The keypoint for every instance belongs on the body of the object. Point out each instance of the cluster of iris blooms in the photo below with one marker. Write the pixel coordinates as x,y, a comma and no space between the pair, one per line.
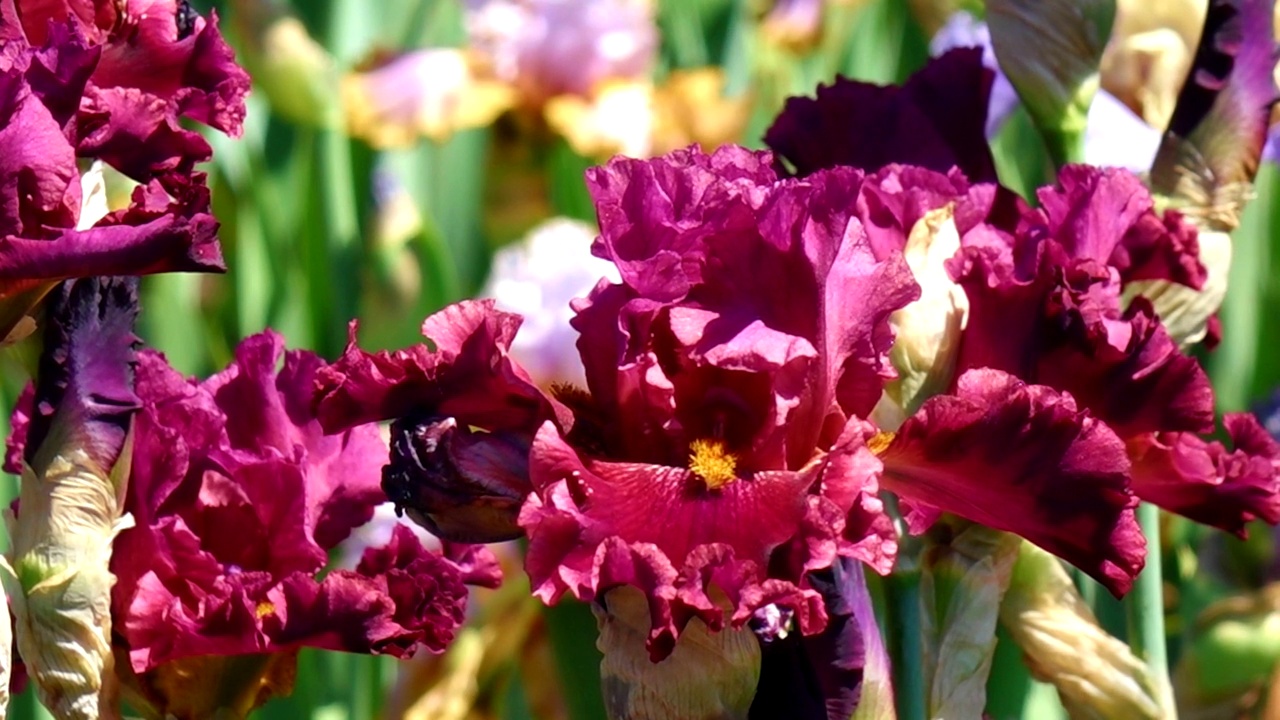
856,351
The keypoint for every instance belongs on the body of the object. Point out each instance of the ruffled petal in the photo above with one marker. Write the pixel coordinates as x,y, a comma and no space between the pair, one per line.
1205,481
238,494
273,418
400,597
590,528
1057,321
157,233
723,266
1022,458
1105,214
469,375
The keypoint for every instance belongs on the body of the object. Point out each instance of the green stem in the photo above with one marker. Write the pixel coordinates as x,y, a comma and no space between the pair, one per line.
902,591
1087,587
572,630
1145,609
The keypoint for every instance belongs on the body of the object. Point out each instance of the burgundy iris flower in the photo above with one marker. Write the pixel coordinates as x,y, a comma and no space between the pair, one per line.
107,81
720,452
1050,302
237,496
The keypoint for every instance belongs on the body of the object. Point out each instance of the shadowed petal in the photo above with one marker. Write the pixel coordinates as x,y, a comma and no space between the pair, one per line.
935,120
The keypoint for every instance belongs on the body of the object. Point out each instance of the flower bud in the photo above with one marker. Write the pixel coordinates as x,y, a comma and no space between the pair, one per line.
962,580
842,671
927,332
1096,675
461,485
1233,656
74,468
708,674
1210,152
1050,50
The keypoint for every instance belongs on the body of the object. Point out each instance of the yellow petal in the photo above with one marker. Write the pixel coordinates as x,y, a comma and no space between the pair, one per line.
431,93
691,107
617,118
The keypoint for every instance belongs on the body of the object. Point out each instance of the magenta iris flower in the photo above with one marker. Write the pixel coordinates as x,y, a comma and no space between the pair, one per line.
723,455
237,496
1047,304
722,439
112,82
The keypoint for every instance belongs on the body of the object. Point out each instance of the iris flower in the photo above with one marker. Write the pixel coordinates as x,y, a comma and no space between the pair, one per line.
237,497
1047,300
729,378
107,81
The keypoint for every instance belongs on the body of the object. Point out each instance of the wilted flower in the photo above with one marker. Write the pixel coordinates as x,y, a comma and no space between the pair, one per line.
829,675
109,81
238,497
72,444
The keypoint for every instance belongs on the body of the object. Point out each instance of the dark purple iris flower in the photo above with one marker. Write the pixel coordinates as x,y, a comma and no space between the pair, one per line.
936,120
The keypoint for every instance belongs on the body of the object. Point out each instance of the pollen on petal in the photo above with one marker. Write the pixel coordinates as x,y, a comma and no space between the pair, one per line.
264,609
712,463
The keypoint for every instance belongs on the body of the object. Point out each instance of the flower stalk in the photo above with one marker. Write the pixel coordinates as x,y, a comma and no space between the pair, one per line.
1145,610
902,591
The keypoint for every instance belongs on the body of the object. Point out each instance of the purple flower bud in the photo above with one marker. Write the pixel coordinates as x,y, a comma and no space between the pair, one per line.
461,485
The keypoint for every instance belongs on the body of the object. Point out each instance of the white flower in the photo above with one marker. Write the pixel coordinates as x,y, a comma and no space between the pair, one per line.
537,277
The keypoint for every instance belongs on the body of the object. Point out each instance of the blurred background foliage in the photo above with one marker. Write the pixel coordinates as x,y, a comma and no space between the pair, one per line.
319,228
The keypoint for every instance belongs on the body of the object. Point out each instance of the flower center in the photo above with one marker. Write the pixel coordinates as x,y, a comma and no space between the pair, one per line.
880,442
712,463
265,608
